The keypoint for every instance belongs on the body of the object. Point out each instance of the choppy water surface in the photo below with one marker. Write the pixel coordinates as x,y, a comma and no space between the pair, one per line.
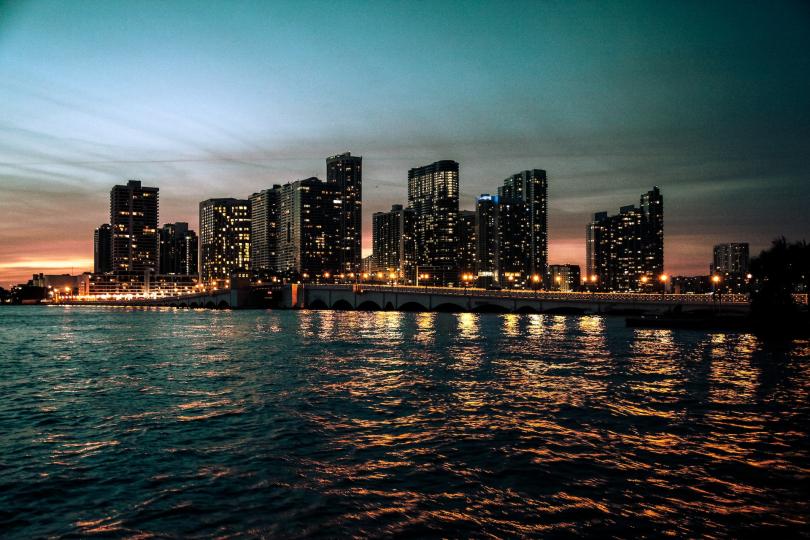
118,422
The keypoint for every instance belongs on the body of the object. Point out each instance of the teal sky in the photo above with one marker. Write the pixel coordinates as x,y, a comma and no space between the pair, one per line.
709,101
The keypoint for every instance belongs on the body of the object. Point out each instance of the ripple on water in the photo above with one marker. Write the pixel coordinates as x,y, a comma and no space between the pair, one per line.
139,422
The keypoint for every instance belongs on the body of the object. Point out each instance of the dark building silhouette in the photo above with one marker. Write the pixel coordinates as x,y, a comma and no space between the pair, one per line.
178,249
344,174
224,239
467,242
625,252
134,220
732,258
102,249
393,242
265,208
433,196
308,213
564,277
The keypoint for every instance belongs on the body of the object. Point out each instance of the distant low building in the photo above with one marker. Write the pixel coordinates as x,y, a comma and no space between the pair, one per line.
63,284
564,277
691,284
146,285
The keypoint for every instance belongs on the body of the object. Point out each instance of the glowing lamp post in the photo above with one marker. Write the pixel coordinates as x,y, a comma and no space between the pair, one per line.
644,280
663,278
715,292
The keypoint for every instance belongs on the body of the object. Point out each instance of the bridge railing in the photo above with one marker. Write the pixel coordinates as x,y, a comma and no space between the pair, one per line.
624,297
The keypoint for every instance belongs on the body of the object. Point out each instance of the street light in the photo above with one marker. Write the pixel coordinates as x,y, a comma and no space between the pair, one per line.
663,278
465,279
715,283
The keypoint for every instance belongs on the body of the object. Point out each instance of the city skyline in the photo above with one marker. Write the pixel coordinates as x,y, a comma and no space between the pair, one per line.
715,113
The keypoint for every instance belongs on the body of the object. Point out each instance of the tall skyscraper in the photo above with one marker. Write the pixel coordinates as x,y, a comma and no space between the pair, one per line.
625,252
224,239
344,174
264,229
523,227
467,242
308,213
134,219
393,242
102,249
178,249
732,258
433,195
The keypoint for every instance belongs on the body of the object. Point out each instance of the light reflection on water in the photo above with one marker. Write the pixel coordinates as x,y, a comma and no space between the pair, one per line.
140,422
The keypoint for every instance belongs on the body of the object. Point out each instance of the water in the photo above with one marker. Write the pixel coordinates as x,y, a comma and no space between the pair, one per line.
159,422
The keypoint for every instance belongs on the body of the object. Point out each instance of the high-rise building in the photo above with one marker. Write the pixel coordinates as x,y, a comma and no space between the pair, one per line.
564,277
308,211
393,242
344,174
732,258
523,225
102,249
433,195
134,219
626,252
652,209
224,239
486,225
467,242
178,249
264,229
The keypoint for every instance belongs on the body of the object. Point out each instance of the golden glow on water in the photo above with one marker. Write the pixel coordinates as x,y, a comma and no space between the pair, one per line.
510,324
468,325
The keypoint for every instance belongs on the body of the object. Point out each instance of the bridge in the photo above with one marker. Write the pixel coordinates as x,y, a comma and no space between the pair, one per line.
448,299
408,298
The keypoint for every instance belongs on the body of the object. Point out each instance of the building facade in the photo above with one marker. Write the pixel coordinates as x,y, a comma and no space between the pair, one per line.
178,249
134,221
467,242
625,252
344,175
393,248
433,196
224,239
523,225
102,249
308,211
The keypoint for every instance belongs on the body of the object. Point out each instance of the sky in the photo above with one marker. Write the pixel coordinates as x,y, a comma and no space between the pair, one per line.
710,101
